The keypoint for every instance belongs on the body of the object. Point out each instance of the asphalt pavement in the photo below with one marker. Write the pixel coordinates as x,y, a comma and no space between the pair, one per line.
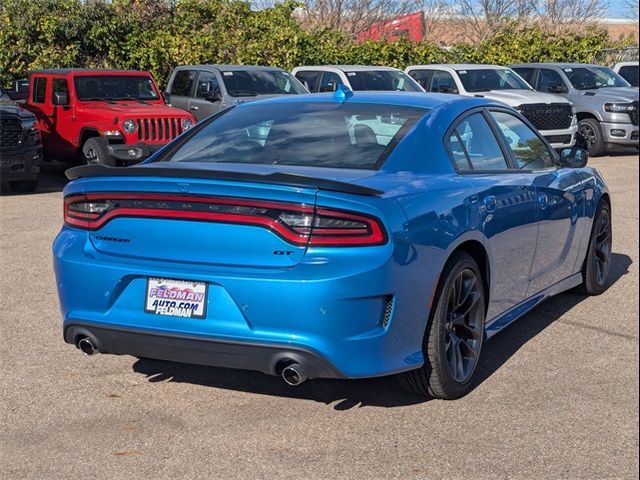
558,396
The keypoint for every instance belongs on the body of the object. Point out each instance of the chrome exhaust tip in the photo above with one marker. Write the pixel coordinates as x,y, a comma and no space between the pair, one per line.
87,346
294,374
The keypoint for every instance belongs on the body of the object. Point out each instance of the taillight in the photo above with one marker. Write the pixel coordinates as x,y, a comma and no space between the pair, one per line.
298,224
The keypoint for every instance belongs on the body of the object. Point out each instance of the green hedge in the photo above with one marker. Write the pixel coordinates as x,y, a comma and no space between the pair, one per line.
157,35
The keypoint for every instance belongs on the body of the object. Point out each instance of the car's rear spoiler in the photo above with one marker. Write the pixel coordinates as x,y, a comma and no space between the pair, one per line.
279,178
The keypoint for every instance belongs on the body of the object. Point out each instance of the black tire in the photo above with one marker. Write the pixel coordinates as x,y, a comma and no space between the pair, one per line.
597,264
436,378
591,138
24,186
94,152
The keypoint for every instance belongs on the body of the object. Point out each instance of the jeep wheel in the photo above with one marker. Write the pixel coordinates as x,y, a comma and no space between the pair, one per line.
591,133
95,152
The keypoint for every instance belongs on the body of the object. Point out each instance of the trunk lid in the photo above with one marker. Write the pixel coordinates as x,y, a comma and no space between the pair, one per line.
195,215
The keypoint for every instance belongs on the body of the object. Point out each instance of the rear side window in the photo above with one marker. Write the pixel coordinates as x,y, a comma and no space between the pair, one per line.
476,140
349,135
309,79
183,81
39,89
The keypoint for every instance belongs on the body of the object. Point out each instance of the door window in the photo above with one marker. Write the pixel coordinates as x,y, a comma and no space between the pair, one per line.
309,79
183,81
208,85
548,79
475,139
59,85
526,73
529,150
330,82
423,77
442,82
39,90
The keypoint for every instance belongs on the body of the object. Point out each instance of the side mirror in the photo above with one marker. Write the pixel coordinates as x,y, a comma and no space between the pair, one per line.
213,96
60,98
557,88
448,89
573,157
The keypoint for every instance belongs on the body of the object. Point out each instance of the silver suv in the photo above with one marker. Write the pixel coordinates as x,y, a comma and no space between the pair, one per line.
554,118
605,103
327,78
207,89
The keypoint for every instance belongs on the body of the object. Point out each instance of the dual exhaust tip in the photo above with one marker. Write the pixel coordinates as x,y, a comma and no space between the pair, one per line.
293,374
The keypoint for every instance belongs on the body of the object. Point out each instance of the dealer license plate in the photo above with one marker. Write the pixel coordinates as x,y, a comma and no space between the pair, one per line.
176,298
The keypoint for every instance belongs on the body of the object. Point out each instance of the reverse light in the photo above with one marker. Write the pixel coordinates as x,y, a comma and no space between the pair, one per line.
619,107
298,224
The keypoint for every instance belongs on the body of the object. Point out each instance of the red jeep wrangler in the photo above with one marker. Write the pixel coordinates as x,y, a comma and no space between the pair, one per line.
102,116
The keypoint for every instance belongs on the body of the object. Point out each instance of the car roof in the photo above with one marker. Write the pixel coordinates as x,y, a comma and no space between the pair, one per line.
66,71
427,101
559,65
349,68
458,66
228,68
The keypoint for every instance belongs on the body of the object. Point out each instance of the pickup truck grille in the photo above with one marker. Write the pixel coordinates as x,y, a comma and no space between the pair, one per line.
634,114
551,116
158,130
10,133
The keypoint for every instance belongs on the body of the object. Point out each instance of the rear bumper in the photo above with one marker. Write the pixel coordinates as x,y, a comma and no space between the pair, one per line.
267,358
21,165
620,133
132,152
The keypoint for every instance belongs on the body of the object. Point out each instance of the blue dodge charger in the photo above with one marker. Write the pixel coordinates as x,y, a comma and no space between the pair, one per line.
334,235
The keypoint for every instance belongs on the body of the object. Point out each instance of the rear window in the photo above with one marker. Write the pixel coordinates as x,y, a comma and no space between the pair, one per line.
386,80
630,74
328,135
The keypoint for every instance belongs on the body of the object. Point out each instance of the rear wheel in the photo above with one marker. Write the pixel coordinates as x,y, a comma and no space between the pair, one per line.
95,152
454,336
592,139
597,264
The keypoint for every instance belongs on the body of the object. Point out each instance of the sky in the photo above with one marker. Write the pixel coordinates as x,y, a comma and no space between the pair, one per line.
618,9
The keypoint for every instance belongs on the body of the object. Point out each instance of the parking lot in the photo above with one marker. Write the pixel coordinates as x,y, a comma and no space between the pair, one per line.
558,396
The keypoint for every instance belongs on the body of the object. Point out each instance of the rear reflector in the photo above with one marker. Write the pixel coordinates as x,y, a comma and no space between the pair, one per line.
298,224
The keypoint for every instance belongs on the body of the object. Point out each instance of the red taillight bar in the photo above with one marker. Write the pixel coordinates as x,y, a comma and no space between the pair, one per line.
362,230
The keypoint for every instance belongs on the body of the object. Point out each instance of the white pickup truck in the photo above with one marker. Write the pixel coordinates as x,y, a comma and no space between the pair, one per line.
554,117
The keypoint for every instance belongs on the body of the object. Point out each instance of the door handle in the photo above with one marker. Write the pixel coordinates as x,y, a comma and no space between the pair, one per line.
543,201
193,107
491,203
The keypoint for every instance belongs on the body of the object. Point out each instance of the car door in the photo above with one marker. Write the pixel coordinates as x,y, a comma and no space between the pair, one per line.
40,104
182,87
208,98
561,202
63,120
507,204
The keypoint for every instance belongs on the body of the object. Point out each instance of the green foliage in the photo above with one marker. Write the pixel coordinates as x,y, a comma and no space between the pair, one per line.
157,35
